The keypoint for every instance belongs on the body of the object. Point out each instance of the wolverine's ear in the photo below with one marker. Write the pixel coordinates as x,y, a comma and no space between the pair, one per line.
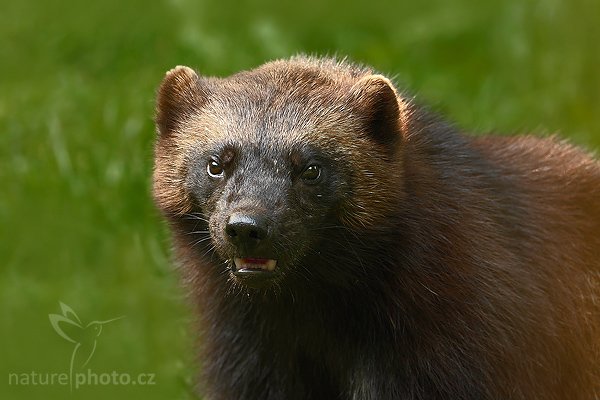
180,94
375,99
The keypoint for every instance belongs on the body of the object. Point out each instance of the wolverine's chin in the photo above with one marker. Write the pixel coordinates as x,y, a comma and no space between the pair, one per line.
255,272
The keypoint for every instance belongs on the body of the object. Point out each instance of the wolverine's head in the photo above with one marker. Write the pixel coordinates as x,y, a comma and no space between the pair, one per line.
265,168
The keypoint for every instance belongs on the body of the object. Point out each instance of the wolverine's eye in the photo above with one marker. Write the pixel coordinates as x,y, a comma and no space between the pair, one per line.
311,174
215,169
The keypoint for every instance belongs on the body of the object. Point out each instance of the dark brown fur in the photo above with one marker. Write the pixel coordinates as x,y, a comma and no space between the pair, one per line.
441,266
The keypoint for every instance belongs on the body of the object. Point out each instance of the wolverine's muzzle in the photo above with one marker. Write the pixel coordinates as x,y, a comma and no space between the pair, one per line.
251,236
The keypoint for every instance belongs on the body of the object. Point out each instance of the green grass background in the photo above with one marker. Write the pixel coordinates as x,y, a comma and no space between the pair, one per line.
77,84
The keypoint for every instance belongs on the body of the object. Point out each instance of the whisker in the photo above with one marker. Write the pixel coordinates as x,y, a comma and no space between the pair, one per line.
197,232
320,228
195,216
209,250
200,240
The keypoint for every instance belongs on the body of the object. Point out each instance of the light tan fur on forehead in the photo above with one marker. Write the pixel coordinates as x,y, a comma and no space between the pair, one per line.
312,101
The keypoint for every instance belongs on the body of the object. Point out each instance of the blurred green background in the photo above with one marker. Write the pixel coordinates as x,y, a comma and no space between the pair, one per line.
77,84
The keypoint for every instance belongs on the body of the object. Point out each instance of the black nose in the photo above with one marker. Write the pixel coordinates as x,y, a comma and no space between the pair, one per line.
246,230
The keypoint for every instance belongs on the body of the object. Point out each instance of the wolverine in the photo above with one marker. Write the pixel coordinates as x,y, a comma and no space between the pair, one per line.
340,241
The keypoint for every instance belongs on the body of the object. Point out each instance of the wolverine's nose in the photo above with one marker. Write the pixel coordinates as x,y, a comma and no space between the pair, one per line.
246,231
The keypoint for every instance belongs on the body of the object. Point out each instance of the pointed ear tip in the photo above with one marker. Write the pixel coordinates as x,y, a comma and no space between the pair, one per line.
381,81
181,70
177,80
375,83
378,78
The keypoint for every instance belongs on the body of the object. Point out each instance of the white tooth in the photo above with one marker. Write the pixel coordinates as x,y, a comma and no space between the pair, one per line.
271,265
238,263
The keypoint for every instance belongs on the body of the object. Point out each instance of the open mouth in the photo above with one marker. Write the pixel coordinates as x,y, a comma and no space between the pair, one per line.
255,272
254,264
